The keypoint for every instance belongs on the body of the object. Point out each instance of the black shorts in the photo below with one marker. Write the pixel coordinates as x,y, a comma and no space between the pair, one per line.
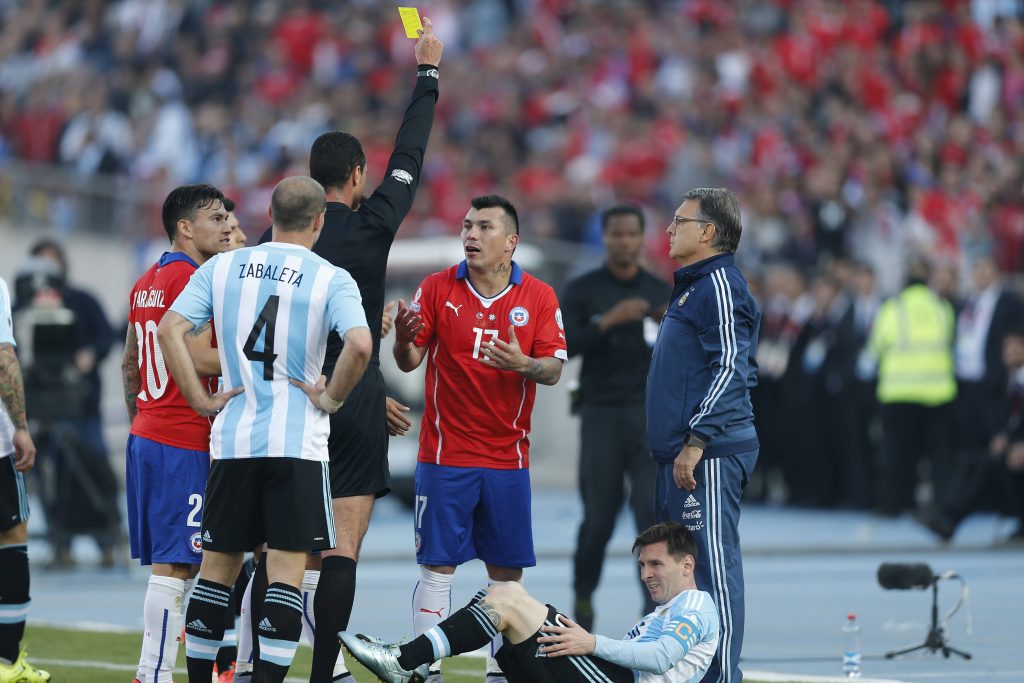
358,444
284,502
520,664
13,497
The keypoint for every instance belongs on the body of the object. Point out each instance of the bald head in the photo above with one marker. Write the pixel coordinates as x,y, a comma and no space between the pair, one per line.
296,204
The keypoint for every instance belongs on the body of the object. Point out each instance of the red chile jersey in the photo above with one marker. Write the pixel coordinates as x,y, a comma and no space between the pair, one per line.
476,415
164,414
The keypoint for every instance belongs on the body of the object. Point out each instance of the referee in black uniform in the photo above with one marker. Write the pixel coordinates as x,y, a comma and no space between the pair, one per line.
357,236
610,317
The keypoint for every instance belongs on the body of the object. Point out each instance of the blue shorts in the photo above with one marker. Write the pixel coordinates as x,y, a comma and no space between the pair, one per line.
165,501
464,513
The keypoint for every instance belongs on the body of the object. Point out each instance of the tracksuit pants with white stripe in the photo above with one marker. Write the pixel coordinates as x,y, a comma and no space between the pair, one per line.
712,514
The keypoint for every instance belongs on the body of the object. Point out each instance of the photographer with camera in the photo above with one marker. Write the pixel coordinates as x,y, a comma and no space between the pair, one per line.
68,338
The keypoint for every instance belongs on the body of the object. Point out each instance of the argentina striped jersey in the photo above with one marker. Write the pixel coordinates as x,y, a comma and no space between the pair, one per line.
673,644
272,306
6,337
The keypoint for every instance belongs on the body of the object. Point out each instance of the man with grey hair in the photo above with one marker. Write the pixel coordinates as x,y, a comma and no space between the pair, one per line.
700,422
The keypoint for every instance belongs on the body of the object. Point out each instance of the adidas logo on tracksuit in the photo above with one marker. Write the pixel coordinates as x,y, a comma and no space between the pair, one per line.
690,502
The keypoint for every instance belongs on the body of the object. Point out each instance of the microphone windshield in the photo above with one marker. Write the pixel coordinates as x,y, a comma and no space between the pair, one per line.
905,576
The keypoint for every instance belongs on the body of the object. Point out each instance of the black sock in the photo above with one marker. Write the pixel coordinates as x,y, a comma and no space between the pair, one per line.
466,630
204,627
332,607
282,623
13,597
227,653
259,592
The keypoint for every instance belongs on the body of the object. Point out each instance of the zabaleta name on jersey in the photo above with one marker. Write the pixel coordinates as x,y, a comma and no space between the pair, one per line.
273,306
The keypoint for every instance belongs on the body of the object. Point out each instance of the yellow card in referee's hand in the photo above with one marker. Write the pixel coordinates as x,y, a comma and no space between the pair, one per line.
411,21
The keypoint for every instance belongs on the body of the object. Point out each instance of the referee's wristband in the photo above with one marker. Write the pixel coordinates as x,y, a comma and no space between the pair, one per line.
328,404
428,70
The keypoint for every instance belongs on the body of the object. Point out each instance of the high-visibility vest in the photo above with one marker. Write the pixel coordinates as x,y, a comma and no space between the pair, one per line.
913,340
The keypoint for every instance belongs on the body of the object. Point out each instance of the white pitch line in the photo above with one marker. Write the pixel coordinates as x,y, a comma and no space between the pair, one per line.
783,678
114,666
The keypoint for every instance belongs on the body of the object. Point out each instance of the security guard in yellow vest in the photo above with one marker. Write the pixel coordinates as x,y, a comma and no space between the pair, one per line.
912,339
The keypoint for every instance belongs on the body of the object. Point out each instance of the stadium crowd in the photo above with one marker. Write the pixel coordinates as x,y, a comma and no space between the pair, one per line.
863,127
856,134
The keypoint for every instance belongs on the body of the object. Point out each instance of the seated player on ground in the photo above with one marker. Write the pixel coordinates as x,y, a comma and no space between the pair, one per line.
674,643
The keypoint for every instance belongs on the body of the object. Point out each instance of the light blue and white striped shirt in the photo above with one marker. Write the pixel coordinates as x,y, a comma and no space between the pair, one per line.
6,337
272,307
673,644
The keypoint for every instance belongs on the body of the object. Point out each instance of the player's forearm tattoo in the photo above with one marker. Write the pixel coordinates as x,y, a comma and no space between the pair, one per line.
130,377
12,391
543,370
199,329
492,613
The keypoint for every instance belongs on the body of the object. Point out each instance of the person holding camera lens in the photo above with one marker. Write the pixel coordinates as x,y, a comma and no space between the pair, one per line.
68,337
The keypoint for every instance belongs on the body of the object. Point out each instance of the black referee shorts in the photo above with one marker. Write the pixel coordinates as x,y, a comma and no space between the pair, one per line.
13,497
520,664
284,502
358,443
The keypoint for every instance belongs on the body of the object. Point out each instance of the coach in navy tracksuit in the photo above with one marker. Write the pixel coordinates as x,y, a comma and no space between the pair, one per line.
700,423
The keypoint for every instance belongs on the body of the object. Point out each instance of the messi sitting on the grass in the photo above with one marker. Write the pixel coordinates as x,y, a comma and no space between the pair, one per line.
674,643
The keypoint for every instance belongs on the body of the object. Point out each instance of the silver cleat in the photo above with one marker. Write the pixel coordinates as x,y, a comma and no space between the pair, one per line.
381,658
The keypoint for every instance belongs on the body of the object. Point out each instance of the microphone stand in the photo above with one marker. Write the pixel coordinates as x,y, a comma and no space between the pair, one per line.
936,639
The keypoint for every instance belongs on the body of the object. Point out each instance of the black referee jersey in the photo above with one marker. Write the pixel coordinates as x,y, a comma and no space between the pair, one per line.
360,241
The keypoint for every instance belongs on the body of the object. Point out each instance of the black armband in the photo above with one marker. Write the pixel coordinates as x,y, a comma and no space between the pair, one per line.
692,439
428,70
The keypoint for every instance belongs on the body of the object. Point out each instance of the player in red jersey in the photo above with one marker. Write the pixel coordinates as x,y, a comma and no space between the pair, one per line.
490,334
168,452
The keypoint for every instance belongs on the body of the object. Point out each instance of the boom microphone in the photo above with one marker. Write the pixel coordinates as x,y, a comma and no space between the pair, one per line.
905,576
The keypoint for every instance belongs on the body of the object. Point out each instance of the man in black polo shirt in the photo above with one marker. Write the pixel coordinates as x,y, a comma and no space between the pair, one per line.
357,236
610,316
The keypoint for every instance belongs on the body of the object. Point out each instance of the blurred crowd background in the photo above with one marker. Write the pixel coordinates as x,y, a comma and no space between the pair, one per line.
860,136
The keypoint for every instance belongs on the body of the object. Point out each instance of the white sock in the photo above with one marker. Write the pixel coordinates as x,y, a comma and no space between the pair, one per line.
140,672
243,661
431,600
431,603
163,616
310,579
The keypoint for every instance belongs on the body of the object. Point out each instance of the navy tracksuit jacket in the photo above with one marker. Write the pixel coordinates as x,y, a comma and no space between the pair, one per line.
700,378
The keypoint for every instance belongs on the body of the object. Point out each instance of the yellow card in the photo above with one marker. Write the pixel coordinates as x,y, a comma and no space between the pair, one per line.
411,21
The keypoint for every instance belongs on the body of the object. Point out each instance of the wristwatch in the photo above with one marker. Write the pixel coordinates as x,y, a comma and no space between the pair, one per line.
692,439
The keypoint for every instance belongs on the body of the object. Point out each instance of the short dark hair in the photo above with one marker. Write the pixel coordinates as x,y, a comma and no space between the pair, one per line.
492,201
184,201
676,537
1016,330
229,204
621,210
296,201
47,244
333,157
719,206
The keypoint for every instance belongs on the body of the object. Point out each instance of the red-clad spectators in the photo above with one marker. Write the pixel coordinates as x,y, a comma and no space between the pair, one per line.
839,107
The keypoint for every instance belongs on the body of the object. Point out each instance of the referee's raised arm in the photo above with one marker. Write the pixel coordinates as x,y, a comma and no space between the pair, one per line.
393,198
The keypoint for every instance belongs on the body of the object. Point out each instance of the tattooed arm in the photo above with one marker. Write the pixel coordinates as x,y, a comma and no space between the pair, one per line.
12,393
131,379
204,355
509,356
